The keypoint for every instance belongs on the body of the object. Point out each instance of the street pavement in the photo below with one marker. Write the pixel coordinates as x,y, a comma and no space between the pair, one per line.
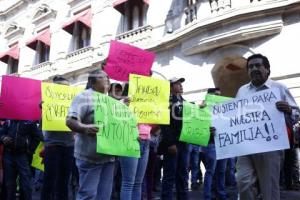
198,195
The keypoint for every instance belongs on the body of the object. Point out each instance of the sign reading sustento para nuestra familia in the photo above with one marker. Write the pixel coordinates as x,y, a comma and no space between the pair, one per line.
249,125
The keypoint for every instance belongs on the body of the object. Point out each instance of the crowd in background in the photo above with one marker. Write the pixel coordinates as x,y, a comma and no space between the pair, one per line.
73,168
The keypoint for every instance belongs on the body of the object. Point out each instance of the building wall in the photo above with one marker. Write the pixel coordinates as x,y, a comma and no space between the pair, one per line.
204,50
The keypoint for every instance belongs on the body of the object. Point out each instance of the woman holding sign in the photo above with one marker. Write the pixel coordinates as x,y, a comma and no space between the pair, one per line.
133,169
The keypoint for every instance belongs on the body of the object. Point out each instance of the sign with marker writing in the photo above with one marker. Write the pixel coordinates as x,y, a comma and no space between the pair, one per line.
56,102
249,125
118,133
124,59
196,121
149,99
211,99
195,124
20,98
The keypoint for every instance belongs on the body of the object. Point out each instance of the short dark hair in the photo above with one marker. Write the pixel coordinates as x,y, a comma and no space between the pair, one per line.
114,86
93,75
58,78
125,90
212,90
264,58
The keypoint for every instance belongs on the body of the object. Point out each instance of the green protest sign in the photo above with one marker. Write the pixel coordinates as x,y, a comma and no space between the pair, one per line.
215,99
196,121
118,131
37,161
195,125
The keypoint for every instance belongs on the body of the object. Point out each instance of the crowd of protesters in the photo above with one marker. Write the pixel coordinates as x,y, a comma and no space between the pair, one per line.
165,166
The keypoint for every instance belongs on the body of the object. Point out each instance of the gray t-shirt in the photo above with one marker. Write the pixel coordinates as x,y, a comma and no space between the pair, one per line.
61,138
82,108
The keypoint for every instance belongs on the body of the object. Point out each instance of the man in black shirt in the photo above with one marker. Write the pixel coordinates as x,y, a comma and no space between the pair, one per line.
175,163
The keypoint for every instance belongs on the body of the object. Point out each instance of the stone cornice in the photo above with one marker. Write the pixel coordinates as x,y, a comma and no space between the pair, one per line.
210,28
13,30
42,14
12,9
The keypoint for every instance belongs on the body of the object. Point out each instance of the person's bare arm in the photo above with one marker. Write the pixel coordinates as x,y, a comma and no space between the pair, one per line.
78,127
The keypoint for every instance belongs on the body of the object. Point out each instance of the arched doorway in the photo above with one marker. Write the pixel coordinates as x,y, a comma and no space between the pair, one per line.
229,71
230,74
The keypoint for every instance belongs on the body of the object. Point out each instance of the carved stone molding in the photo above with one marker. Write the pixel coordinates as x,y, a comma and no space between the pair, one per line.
43,13
234,32
13,30
12,8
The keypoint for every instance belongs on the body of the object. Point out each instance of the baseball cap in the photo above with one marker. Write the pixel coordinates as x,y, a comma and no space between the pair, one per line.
175,80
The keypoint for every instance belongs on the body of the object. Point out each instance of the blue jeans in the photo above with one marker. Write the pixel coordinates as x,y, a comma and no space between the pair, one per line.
133,171
95,180
230,178
17,164
58,166
195,162
175,167
220,179
210,163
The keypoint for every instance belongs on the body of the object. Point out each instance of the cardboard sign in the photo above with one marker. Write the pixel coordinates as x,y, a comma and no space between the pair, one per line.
125,59
149,99
56,102
20,98
249,125
118,133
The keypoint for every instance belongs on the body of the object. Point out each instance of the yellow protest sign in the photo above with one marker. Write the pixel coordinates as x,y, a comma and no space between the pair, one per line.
36,159
56,102
149,99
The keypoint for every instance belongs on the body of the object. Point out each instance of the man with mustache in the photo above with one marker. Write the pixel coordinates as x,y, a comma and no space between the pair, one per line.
262,167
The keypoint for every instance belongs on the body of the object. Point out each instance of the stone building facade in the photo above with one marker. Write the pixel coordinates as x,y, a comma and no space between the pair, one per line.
205,41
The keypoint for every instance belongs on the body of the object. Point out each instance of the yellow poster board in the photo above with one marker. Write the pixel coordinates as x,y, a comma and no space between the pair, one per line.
36,159
56,102
149,99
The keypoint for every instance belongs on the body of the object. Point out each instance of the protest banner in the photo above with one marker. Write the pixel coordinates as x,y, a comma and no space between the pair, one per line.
195,124
20,98
211,99
149,99
56,102
196,121
118,133
37,161
249,125
124,59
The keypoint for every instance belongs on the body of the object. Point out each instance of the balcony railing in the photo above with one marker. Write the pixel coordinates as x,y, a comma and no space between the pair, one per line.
78,59
41,71
191,13
138,37
219,5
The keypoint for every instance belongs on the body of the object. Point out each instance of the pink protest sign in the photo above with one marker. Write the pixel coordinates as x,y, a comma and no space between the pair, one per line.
124,59
20,98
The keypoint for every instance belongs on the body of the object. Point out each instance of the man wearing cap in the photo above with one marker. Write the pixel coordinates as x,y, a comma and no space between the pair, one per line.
58,159
175,163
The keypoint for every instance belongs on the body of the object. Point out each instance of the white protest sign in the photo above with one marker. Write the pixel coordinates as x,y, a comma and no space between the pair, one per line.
249,125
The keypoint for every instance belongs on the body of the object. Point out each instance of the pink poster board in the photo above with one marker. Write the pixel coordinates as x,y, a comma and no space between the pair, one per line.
124,59
20,98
